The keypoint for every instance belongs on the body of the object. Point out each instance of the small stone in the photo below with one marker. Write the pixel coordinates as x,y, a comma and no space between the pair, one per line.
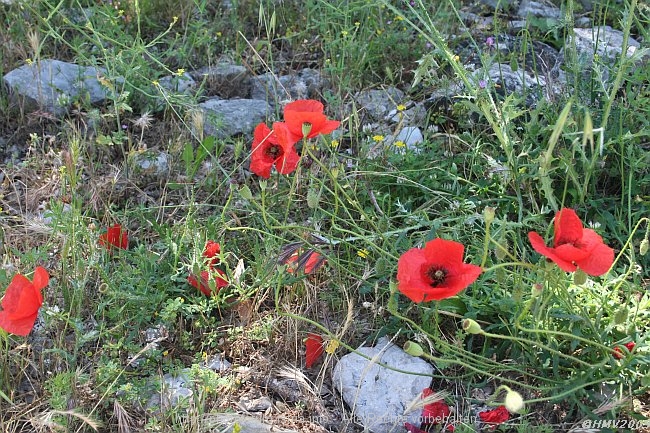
260,404
178,84
541,9
376,103
153,162
217,363
409,137
174,391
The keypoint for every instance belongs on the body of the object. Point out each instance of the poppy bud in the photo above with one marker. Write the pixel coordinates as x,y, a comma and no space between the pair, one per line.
513,401
579,277
488,214
620,317
263,184
536,290
246,193
306,129
500,251
472,327
413,349
643,248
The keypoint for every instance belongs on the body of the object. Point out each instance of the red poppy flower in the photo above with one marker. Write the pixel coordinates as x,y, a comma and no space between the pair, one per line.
310,262
305,119
211,251
115,237
435,272
314,346
618,352
495,416
273,148
21,302
203,283
574,246
436,412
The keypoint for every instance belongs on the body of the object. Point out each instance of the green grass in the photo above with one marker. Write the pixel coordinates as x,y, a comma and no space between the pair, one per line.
587,150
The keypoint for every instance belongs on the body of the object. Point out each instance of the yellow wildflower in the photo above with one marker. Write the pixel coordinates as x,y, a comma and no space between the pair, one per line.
401,107
400,144
364,253
378,138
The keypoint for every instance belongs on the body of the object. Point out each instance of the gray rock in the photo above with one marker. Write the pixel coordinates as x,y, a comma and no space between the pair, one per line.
231,422
268,87
229,117
260,404
603,41
52,85
412,116
378,396
178,84
376,103
541,9
155,163
225,80
174,390
411,136
535,86
217,363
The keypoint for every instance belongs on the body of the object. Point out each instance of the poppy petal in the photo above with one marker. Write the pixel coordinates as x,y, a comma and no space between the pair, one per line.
495,416
568,227
21,298
41,278
444,253
261,161
304,105
571,253
461,277
314,349
20,326
538,245
409,275
598,262
288,162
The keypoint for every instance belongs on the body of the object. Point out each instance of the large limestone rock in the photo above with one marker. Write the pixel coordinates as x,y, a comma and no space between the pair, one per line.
229,117
53,85
378,396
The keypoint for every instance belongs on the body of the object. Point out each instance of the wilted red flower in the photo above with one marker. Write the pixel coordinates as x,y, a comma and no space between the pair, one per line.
310,262
618,352
114,237
203,283
21,302
435,412
435,272
273,148
305,119
314,349
495,416
574,246
211,251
